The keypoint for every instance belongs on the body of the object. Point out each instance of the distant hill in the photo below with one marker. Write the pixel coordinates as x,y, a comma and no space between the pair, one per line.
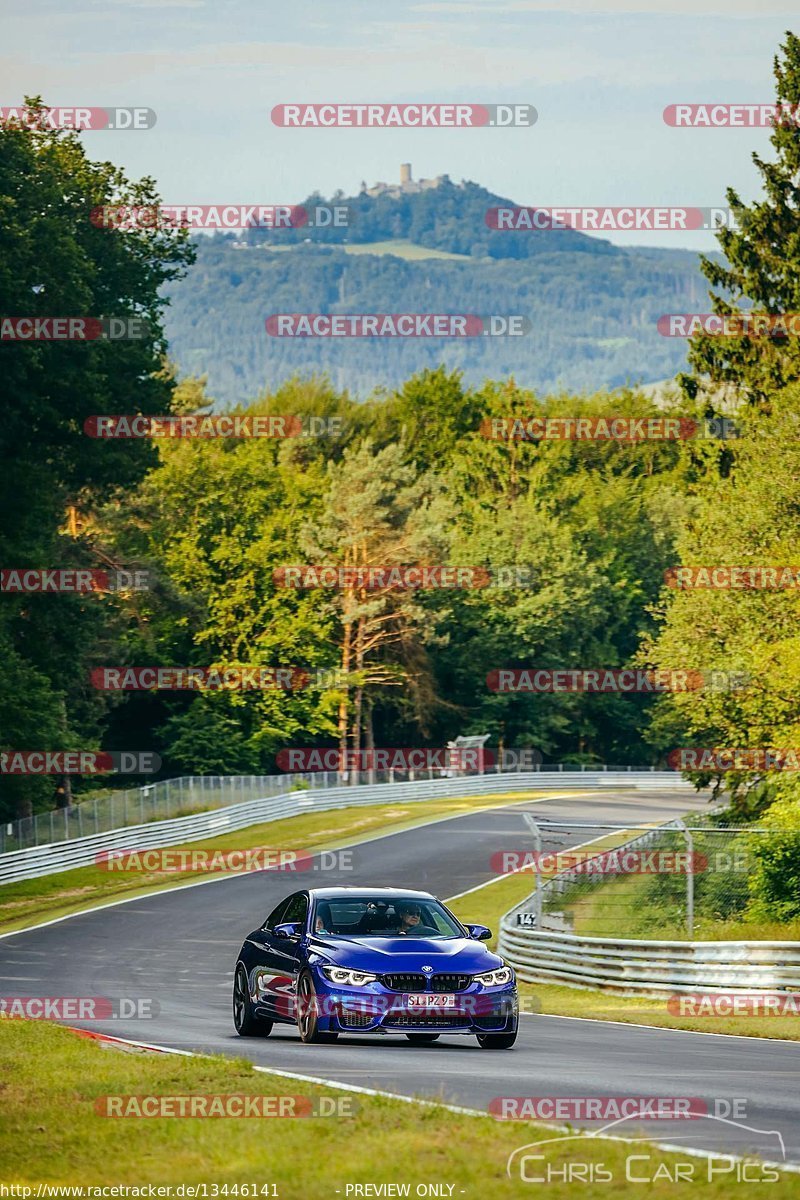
450,217
593,306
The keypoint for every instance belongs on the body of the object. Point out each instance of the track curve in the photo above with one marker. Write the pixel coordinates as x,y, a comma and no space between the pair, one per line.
179,948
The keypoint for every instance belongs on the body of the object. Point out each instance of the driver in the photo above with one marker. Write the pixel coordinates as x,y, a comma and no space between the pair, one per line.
409,918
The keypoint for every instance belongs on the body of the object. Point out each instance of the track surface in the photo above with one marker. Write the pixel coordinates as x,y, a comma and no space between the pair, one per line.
179,948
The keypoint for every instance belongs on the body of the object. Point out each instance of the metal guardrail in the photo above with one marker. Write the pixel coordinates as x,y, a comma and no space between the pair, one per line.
79,852
644,968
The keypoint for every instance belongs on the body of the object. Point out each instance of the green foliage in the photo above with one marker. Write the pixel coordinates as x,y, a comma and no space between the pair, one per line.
775,879
762,262
55,262
744,512
410,480
750,517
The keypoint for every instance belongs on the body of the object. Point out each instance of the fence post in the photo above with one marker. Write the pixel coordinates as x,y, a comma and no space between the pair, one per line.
689,877
530,821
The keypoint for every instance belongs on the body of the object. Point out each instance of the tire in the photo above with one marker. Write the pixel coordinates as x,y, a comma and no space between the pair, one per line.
497,1041
307,1017
422,1039
245,1023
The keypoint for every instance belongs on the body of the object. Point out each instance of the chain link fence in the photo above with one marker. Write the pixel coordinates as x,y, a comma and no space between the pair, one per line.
670,881
153,802
200,793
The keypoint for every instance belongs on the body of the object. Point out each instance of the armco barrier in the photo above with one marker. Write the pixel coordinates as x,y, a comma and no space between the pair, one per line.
80,852
644,968
640,967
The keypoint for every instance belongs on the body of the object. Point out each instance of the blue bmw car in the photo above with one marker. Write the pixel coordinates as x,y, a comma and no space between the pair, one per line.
373,961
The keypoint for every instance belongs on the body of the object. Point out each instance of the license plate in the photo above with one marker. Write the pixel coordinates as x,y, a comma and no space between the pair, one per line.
427,1001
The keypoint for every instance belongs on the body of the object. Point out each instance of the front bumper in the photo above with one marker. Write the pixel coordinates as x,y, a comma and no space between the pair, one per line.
374,1009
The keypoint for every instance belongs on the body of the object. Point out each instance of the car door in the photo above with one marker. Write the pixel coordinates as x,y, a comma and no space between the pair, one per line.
262,964
282,957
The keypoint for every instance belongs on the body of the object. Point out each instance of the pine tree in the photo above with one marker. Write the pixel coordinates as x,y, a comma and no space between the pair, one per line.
763,262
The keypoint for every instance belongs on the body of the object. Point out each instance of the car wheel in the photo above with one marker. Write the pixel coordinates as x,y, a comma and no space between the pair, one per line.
420,1039
497,1041
245,1023
307,1015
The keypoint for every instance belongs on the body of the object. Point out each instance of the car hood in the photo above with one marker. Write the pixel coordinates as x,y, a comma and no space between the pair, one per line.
407,954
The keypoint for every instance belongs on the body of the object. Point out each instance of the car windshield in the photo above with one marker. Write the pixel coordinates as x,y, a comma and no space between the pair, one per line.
377,916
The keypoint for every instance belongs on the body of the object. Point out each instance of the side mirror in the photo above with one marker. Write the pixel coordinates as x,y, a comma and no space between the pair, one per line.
481,933
289,929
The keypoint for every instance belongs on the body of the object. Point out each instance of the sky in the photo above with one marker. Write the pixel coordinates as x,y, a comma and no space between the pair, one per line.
599,73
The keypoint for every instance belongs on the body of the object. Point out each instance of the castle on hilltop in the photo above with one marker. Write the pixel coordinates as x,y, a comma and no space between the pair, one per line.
406,187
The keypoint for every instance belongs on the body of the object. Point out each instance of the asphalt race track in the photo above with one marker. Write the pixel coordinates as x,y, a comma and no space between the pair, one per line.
179,949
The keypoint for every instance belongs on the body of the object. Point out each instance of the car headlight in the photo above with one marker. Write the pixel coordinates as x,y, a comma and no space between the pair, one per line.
347,976
496,977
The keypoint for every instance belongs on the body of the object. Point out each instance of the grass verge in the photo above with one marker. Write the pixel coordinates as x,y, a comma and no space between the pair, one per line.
399,247
631,903
50,1132
33,900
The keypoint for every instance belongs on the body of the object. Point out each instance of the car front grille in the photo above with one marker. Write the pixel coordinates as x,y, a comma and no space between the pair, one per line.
449,983
410,981
415,981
